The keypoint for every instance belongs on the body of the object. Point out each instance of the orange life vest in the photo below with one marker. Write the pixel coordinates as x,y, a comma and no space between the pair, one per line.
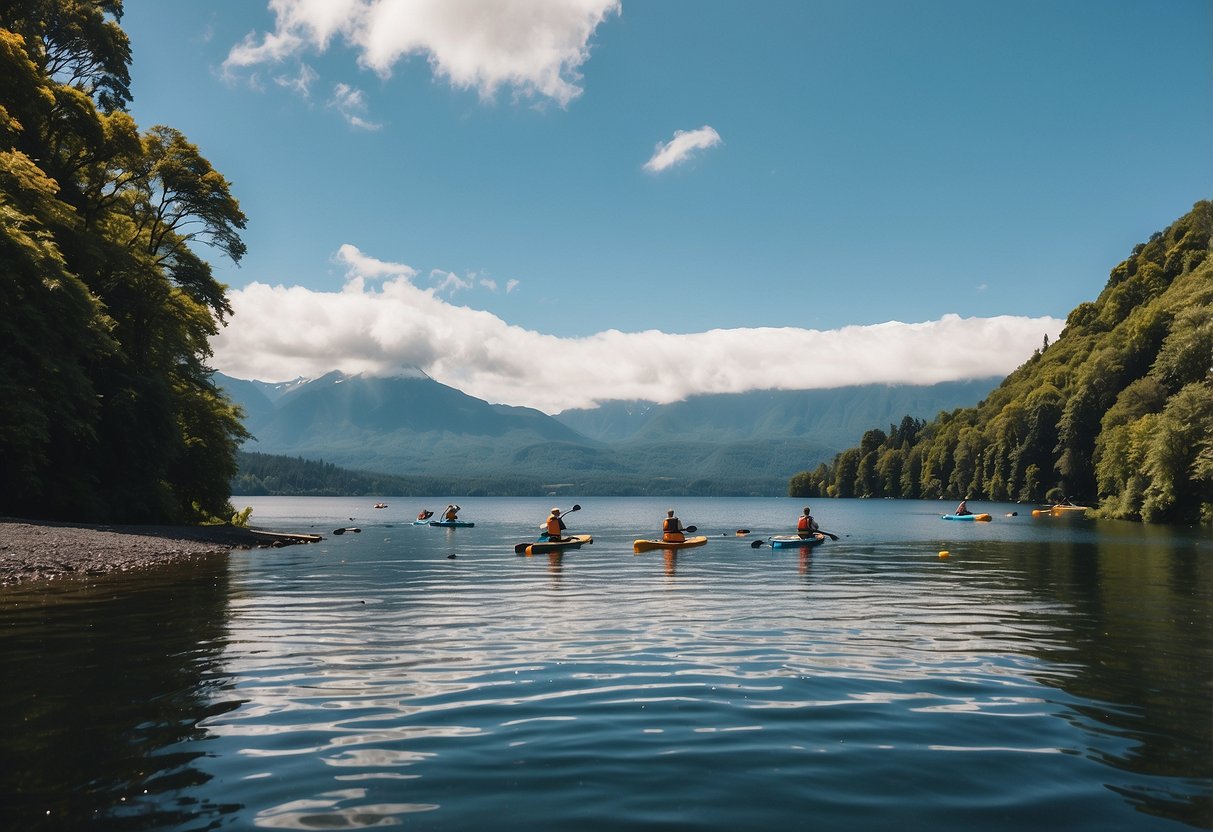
554,527
671,530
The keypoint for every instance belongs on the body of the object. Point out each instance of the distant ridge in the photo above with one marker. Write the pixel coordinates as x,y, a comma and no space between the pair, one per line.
412,426
829,416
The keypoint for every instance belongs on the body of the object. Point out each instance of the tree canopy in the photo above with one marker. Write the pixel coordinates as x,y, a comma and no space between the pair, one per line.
110,412
1118,410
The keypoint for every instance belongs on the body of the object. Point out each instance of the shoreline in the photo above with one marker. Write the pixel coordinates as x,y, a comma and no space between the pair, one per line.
42,550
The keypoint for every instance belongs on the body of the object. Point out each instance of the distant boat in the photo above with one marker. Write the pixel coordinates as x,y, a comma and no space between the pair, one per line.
380,505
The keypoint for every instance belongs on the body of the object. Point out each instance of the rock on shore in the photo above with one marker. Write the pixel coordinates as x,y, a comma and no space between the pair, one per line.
32,550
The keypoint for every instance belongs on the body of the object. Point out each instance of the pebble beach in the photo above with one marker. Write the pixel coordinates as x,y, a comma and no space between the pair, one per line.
32,550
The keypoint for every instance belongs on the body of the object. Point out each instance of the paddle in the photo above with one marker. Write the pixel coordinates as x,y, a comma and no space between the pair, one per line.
519,548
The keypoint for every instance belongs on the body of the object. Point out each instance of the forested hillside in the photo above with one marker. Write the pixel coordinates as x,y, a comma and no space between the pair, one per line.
109,411
1119,410
298,477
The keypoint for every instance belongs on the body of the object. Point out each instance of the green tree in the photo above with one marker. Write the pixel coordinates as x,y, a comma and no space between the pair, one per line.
1179,487
113,412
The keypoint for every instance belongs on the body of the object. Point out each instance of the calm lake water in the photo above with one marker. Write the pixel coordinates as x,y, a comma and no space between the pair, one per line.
1054,673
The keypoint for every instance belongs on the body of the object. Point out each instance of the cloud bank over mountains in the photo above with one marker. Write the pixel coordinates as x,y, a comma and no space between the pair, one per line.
380,321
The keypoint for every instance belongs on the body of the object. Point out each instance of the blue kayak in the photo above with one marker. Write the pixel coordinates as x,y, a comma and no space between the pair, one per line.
966,517
795,541
452,524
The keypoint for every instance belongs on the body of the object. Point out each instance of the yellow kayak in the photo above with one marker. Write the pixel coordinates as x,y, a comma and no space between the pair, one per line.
646,545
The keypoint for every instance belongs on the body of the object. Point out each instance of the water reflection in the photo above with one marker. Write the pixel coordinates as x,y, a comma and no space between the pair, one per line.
104,689
1137,619
370,682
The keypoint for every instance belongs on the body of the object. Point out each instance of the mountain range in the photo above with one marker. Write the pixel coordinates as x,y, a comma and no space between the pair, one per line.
412,425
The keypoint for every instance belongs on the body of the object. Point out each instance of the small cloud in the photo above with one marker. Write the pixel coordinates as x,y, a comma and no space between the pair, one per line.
678,149
273,48
510,285
301,83
981,287
489,284
449,282
350,103
359,265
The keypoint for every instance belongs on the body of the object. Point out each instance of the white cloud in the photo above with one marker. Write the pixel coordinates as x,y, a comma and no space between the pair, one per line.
535,47
510,285
300,83
489,283
449,282
361,265
678,149
377,328
350,102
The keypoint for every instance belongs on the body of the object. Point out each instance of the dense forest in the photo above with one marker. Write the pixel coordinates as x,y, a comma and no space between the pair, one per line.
109,411
1118,410
274,474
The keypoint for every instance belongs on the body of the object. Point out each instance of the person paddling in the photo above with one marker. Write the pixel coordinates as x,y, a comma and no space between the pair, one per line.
425,514
962,510
671,529
552,527
806,526
451,513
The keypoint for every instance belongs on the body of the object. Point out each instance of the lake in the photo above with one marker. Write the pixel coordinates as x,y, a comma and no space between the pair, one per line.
1050,672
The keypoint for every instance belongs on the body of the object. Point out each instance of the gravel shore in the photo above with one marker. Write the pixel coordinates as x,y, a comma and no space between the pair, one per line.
32,550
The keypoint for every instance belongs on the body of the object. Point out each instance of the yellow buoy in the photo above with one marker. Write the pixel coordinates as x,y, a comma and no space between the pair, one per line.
944,553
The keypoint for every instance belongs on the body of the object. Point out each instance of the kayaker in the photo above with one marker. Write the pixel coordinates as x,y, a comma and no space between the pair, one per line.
425,514
451,513
552,527
806,525
962,510
671,528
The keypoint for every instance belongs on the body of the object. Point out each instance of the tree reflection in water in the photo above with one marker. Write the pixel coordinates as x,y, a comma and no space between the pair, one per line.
1135,623
105,685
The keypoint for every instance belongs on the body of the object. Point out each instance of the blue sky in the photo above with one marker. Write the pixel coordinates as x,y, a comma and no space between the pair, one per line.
462,185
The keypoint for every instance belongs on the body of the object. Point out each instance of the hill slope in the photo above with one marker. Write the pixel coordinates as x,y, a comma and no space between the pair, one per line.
1119,409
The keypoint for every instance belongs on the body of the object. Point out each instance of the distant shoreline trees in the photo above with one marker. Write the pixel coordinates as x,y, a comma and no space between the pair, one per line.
1119,409
110,413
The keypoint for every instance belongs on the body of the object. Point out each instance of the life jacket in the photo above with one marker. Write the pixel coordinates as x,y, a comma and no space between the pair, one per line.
452,514
671,530
554,526
802,525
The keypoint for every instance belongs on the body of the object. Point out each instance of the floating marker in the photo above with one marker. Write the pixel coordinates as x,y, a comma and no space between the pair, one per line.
944,553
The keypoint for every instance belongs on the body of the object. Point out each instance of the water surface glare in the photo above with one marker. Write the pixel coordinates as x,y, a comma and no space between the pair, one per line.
1050,672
